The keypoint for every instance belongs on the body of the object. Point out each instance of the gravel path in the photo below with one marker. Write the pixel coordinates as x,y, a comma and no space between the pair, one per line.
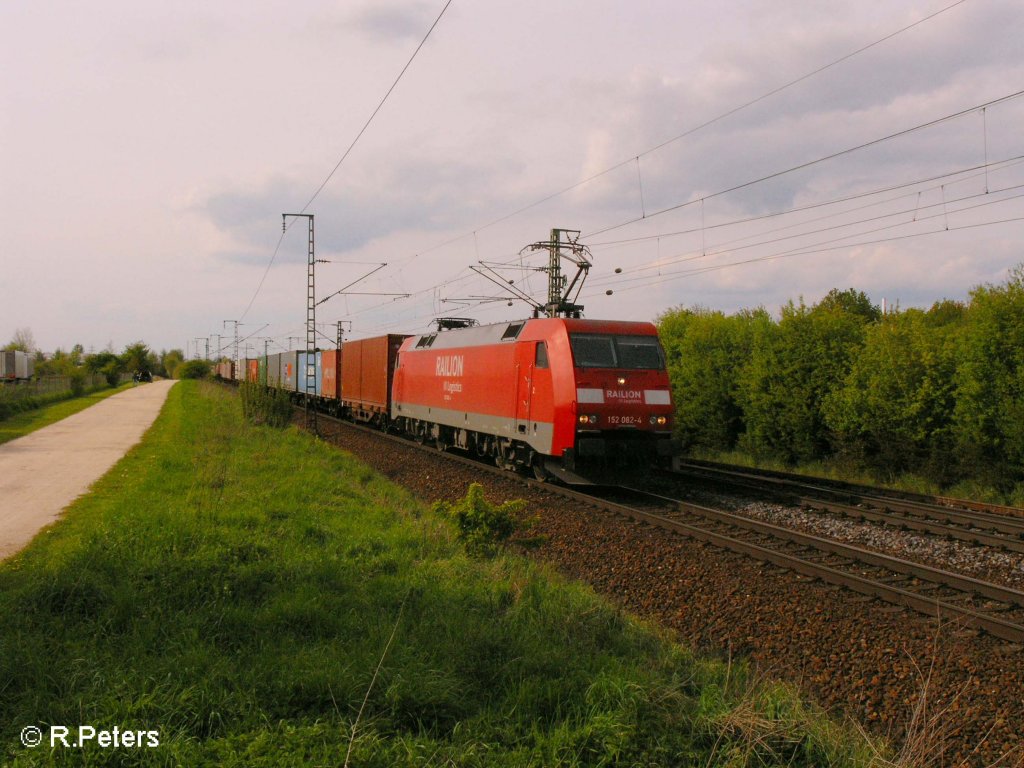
44,471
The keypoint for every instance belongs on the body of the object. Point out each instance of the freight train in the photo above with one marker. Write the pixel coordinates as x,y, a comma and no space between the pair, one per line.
562,397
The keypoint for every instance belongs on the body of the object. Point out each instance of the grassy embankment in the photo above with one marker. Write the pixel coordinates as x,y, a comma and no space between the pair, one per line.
257,596
60,407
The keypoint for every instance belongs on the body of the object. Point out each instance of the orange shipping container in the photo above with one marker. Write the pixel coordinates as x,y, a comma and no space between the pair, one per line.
367,370
329,369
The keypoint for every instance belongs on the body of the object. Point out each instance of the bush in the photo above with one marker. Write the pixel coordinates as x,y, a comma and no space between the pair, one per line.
936,393
706,352
483,527
988,420
77,381
193,369
793,367
261,405
893,411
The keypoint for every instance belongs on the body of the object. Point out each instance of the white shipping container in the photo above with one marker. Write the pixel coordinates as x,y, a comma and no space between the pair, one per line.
16,365
24,365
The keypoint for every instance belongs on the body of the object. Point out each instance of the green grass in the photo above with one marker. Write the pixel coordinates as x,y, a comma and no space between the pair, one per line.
244,590
21,424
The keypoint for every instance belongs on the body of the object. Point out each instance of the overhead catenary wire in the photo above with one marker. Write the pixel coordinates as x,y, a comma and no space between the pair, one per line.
462,276
816,161
949,178
991,198
965,174
369,120
829,245
661,262
345,155
695,129
670,276
777,174
984,168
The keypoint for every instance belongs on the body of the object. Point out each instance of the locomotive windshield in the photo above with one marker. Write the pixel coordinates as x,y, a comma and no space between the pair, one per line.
592,350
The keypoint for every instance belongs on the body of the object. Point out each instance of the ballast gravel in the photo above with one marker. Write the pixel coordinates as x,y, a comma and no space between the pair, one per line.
899,674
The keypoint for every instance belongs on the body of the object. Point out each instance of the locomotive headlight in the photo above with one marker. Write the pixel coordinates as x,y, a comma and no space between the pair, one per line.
585,419
621,380
659,421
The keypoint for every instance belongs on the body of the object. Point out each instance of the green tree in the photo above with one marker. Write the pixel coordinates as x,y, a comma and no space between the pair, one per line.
706,351
136,357
945,313
852,302
106,363
192,369
22,341
894,409
169,362
60,363
989,413
793,366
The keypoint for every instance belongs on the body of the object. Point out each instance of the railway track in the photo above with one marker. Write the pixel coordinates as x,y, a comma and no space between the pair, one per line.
985,525
930,591
881,665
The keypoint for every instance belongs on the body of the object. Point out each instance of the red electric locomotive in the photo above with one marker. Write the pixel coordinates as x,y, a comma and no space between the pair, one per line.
559,395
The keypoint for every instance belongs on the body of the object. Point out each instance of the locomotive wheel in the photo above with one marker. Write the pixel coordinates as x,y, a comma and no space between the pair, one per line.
503,457
504,463
540,472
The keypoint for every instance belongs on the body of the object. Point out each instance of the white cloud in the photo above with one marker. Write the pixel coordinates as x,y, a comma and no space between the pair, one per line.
153,151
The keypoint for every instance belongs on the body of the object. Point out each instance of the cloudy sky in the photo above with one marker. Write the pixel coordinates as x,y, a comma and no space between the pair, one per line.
728,154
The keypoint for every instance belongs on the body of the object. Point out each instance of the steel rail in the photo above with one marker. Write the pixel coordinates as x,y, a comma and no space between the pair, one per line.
928,606
858,554
994,625
915,513
1010,540
909,498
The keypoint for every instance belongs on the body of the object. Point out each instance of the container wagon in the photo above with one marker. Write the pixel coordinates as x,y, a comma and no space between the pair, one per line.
367,373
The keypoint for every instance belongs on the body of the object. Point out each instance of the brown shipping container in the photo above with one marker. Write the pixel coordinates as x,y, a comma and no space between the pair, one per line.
253,368
367,369
329,371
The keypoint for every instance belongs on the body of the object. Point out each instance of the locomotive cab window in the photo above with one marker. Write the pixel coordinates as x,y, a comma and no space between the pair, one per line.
591,351
603,351
640,352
